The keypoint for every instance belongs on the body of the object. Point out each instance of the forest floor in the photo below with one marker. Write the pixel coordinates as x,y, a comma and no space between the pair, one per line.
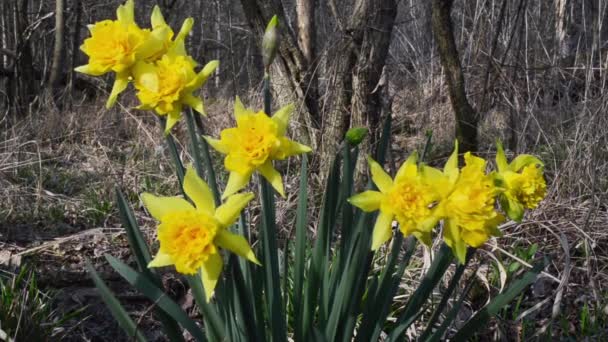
58,171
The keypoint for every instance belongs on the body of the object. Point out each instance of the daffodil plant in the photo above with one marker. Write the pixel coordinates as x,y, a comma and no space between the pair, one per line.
250,287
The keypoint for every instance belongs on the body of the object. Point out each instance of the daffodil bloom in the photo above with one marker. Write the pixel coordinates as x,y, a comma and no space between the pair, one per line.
523,180
116,45
190,235
158,23
466,204
253,144
408,198
166,85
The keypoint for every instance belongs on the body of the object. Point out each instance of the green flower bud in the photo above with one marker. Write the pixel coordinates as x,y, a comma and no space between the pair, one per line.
270,42
355,135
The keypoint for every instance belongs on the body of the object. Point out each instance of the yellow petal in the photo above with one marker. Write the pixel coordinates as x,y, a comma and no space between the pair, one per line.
281,118
367,201
524,160
194,102
272,176
237,244
210,273
126,13
185,29
120,84
157,18
161,260
430,222
202,76
511,206
382,180
409,167
291,148
501,159
160,206
172,118
236,182
217,145
178,48
239,109
227,213
198,191
87,69
382,230
155,42
451,236
451,166
145,76
475,238
424,237
237,162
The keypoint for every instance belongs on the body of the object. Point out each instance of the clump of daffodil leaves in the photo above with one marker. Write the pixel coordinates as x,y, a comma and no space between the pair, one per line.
154,59
421,196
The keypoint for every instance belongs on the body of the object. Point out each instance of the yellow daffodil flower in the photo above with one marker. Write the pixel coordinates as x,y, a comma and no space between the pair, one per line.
116,45
158,23
408,198
253,144
466,204
523,180
166,85
190,235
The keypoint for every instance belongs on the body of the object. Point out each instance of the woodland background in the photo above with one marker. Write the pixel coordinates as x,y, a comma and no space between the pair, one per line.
532,73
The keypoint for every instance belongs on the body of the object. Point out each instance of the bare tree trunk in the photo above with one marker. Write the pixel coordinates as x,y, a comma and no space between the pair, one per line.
4,24
75,44
56,67
305,16
23,75
466,118
560,32
367,74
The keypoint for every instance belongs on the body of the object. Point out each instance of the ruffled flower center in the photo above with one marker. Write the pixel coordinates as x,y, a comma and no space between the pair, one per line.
113,45
187,237
410,201
258,138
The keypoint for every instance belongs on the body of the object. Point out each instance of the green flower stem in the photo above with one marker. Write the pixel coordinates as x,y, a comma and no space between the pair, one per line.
271,264
207,159
213,324
177,162
194,143
272,283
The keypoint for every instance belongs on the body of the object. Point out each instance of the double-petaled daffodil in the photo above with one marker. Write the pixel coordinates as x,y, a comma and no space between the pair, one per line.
408,198
190,235
467,203
158,23
253,144
523,181
116,45
167,84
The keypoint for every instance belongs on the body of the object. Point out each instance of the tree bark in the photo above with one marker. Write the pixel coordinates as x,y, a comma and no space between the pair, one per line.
367,83
23,74
76,5
466,117
56,67
305,17
58,44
